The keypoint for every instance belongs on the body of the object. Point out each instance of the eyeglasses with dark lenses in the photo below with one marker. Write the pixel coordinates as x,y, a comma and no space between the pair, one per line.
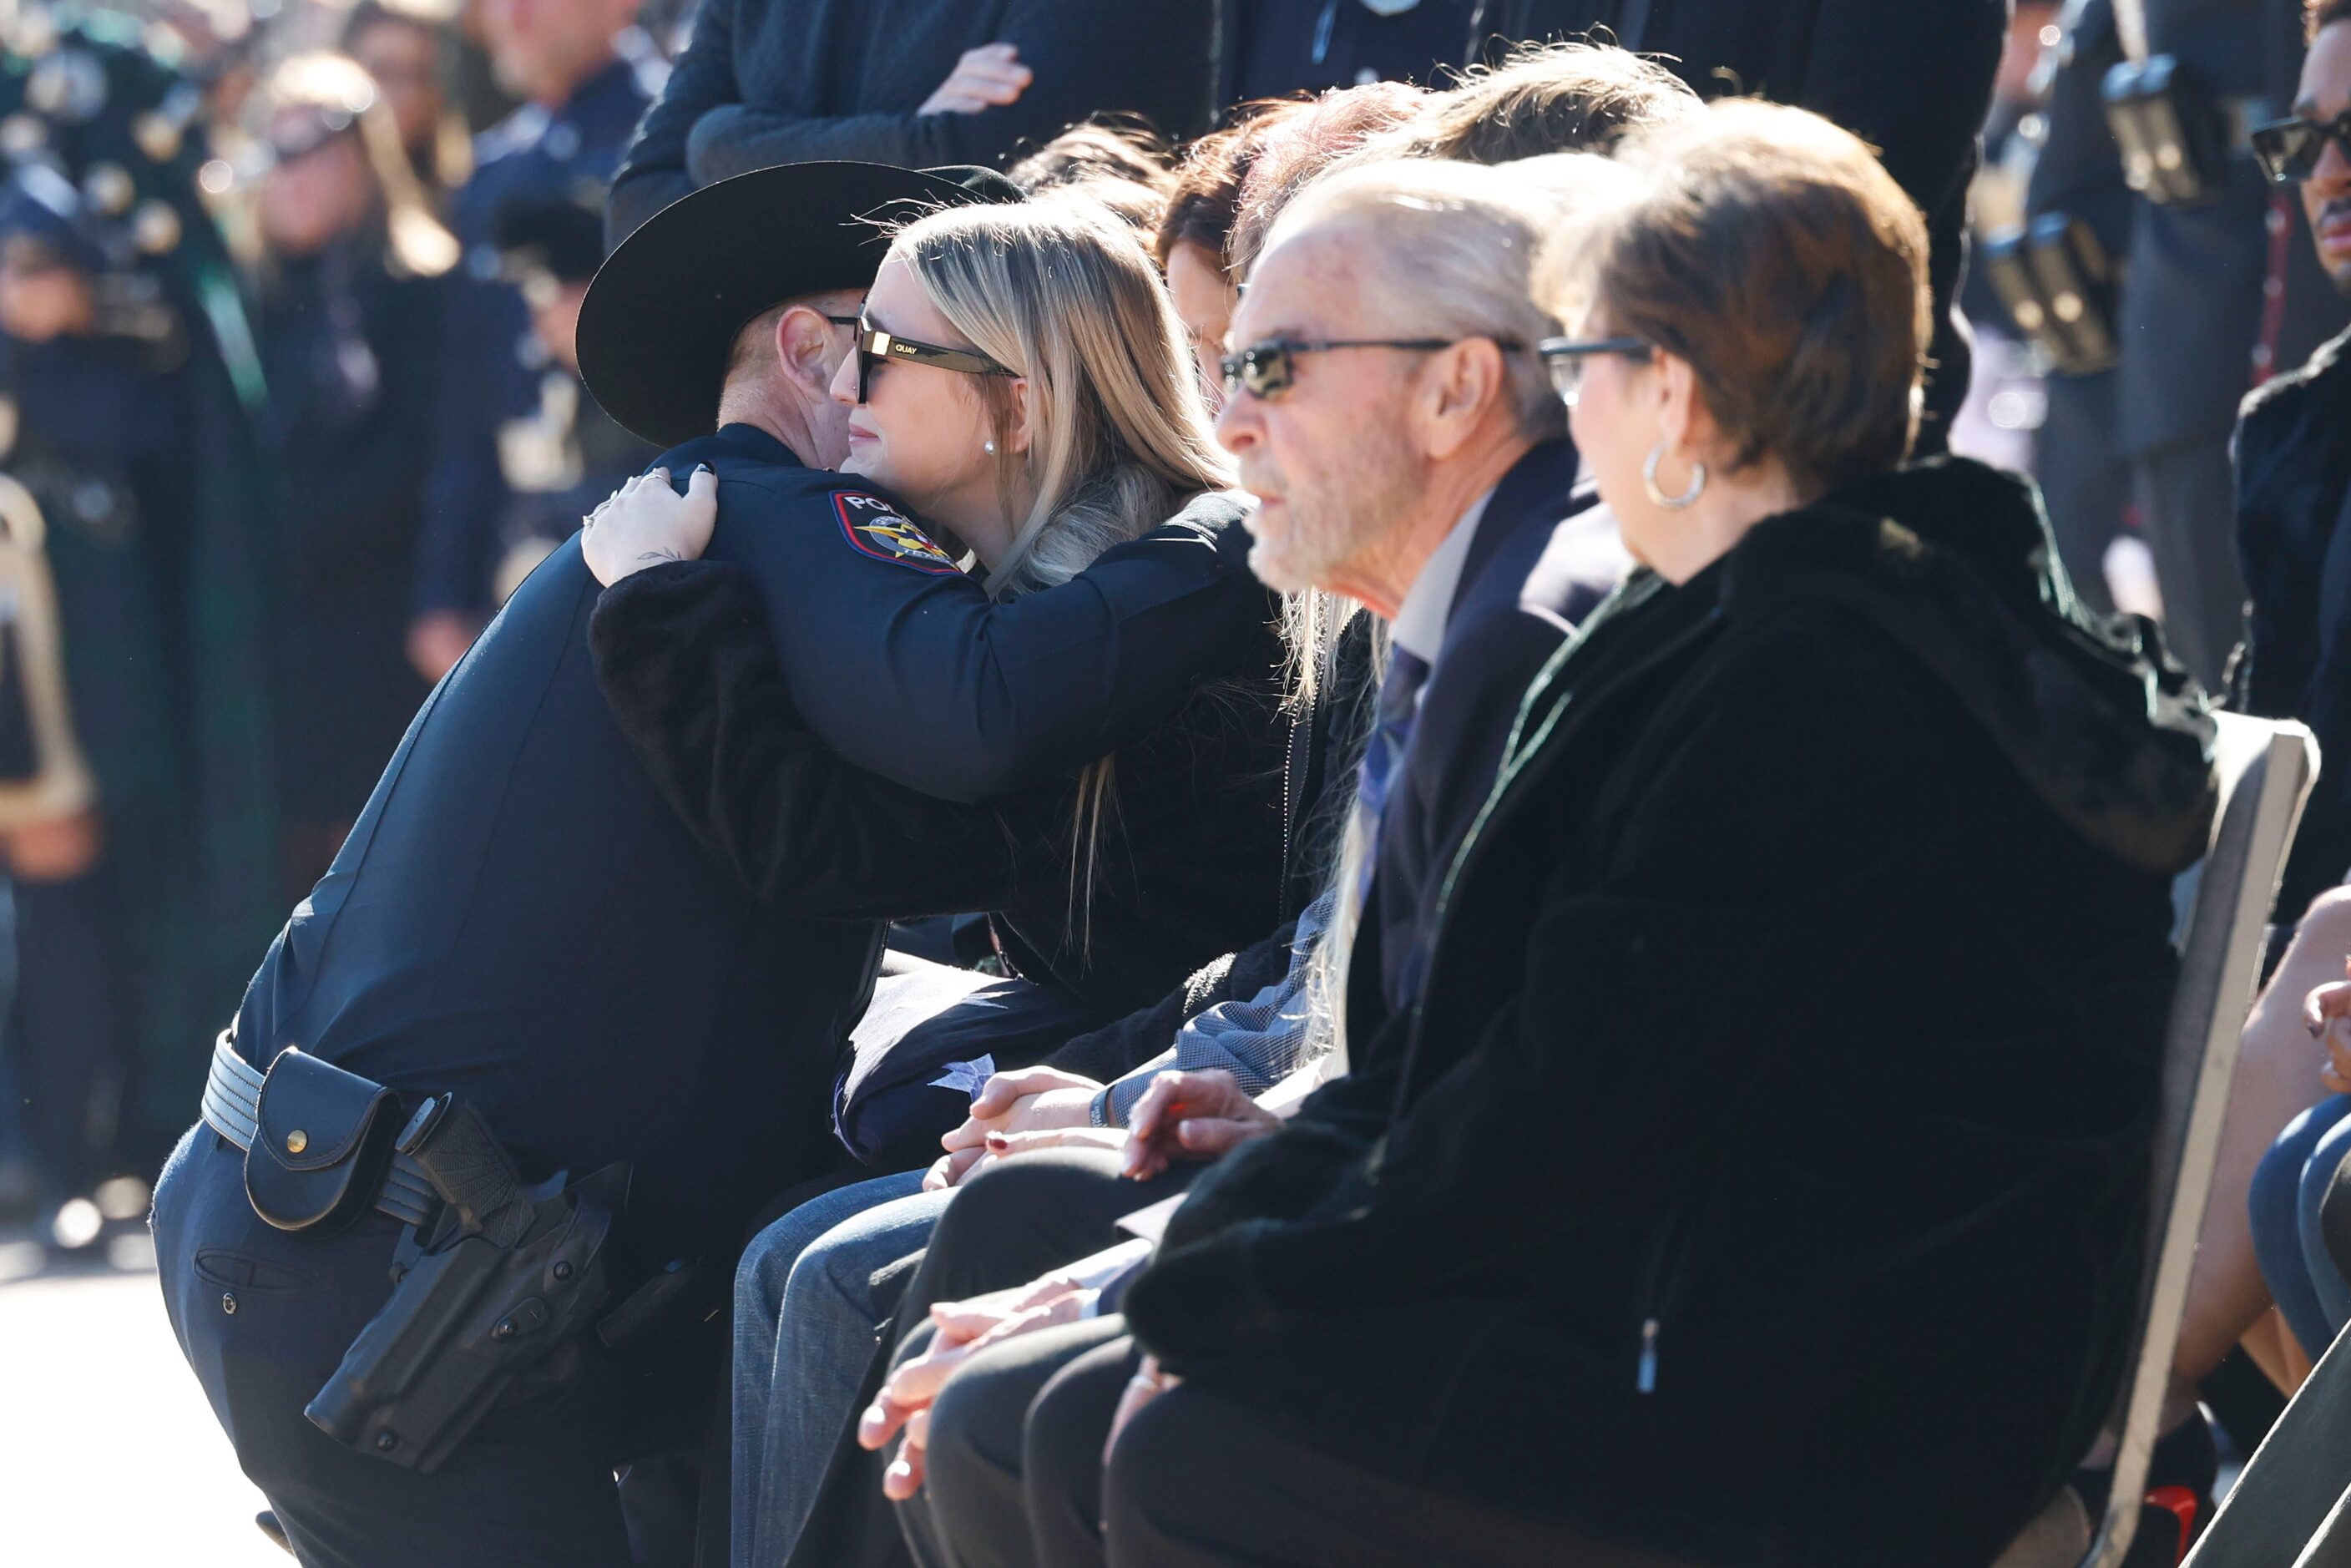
1566,358
1265,369
2289,150
875,347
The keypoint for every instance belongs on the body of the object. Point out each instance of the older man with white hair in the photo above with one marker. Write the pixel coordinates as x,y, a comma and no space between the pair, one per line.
1406,450
1391,416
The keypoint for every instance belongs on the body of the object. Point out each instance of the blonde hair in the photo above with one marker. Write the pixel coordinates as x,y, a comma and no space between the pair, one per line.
1064,295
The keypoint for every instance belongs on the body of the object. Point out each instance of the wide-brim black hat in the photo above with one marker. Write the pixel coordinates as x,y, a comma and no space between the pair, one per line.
659,320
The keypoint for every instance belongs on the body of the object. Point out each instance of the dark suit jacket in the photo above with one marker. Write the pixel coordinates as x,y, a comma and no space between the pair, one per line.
1523,590
2294,537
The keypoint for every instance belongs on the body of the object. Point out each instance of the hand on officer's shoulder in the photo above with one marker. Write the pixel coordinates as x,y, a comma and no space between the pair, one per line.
645,523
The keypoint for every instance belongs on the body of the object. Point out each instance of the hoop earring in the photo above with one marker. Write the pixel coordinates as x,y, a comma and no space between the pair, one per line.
1682,502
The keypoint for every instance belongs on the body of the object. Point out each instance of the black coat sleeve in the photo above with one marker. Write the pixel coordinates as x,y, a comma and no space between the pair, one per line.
1151,58
653,173
684,657
926,680
1572,1109
1913,79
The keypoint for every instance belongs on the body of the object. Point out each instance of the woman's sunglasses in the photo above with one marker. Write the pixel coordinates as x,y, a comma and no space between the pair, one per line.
876,347
1566,358
2289,150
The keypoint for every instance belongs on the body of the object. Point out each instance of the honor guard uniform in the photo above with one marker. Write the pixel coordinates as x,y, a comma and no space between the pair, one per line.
133,791
504,404
567,454
2204,315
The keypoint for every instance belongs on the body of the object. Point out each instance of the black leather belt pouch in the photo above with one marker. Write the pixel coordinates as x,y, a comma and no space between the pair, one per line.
325,1135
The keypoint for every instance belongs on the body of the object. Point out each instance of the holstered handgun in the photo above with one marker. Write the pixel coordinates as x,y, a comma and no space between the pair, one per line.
501,1277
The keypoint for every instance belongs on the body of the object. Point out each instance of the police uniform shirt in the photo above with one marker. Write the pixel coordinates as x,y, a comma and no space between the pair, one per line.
517,916
900,661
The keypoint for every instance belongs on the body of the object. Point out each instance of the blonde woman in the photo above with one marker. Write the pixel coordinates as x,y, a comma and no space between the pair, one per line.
1022,393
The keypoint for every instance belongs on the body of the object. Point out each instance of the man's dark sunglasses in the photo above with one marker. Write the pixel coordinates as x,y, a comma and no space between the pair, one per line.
2289,150
876,347
1265,369
1564,358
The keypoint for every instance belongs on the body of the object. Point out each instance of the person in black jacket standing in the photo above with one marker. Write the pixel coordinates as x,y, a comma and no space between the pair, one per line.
909,82
350,297
1912,78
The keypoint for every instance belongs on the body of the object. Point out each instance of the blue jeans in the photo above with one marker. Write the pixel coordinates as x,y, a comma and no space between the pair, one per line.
2288,1187
805,1319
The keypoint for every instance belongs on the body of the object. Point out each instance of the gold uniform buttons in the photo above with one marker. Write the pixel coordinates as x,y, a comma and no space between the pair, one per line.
296,1140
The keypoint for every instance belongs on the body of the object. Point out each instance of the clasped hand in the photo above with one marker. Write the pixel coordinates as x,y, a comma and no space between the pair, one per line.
959,1330
1028,1108
1182,1118
2323,1013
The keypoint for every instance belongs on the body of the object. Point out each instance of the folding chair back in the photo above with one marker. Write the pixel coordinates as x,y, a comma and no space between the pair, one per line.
2265,770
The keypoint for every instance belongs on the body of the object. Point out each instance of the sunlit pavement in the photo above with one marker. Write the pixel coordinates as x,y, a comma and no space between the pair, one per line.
108,1455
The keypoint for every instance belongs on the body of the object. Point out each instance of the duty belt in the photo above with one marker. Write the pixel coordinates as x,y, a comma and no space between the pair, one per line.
232,1109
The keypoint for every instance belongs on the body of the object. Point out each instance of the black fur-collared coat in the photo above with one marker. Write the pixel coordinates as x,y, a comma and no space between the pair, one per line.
1761,1175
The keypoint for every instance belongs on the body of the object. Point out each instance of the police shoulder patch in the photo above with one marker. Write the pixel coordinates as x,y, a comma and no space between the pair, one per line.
873,527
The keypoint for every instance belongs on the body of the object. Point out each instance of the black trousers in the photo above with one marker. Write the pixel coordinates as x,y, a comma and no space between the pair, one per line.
989,1500
1197,1481
1006,1225
2186,496
72,1026
265,1318
2084,485
1015,1479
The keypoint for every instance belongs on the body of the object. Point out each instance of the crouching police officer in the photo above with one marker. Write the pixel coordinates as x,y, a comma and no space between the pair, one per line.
519,948
526,1060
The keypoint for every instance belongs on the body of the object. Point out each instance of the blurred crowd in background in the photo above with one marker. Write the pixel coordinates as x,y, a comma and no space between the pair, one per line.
290,402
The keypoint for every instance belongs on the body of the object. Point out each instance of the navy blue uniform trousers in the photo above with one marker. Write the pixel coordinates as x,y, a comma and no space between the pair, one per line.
265,1318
